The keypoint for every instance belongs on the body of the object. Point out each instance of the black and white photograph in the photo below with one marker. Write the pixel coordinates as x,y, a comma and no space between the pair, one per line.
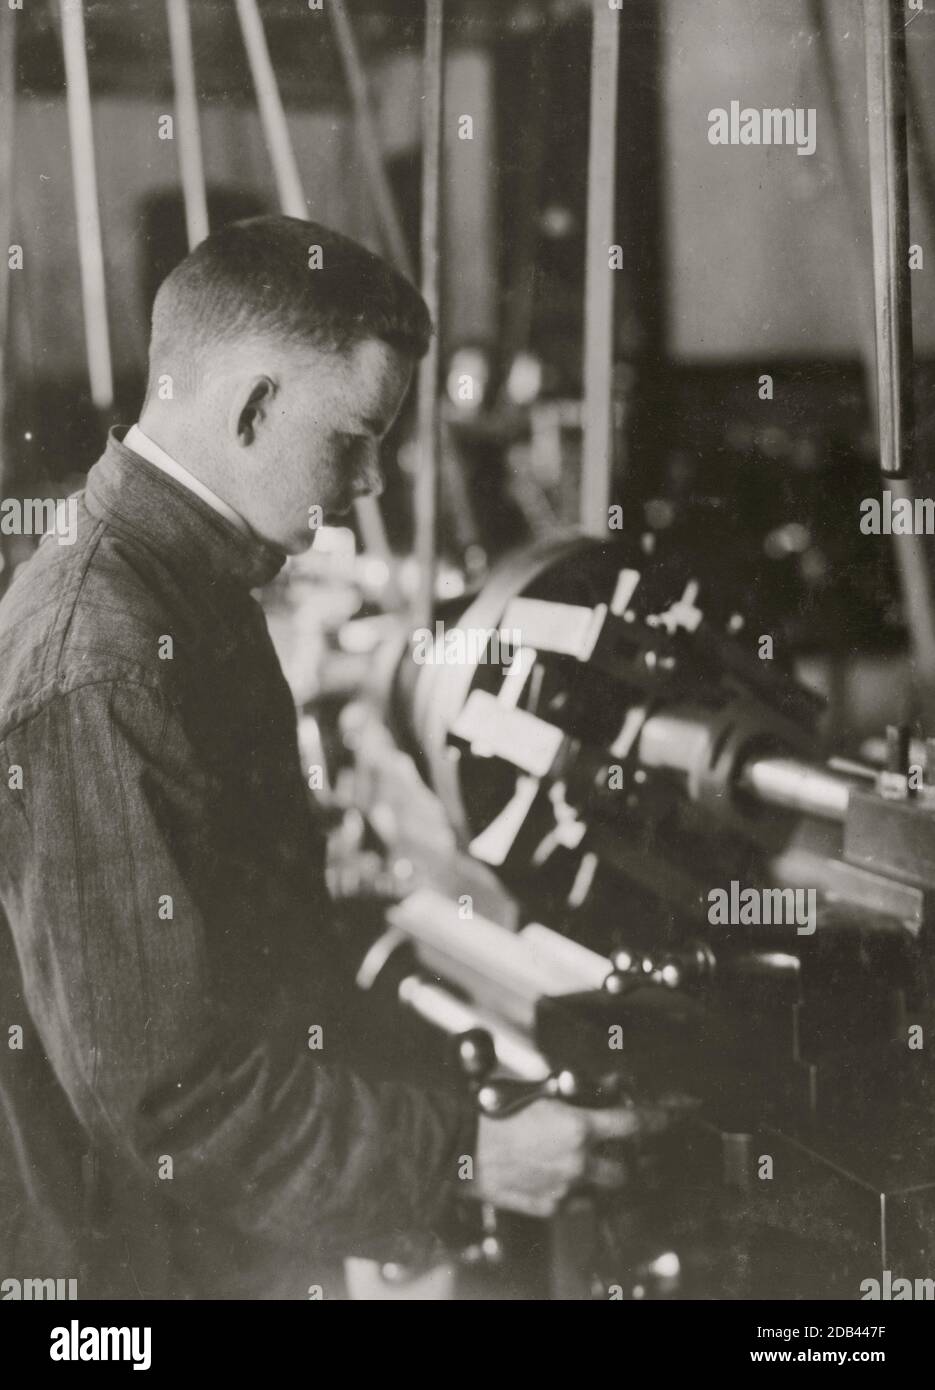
467,667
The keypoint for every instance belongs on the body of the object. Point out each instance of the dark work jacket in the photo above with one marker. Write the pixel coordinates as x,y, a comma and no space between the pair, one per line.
166,1130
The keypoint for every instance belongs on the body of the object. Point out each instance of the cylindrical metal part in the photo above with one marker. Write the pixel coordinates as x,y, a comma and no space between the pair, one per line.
425,499
191,163
885,45
8,35
897,748
87,210
680,740
441,1008
797,786
378,183
272,112
436,1005
390,967
481,947
597,461
582,968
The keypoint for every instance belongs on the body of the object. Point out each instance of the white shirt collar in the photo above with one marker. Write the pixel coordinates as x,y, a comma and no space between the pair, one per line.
141,444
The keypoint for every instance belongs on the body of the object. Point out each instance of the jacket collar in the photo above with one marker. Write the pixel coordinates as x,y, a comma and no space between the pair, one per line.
128,491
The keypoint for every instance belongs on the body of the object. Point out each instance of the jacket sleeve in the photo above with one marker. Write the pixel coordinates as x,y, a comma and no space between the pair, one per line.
273,1138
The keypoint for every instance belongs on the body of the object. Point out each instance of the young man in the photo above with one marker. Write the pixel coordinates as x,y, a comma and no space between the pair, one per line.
166,1129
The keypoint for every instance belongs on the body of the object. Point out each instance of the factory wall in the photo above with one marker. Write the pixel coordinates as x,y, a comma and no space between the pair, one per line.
768,254
133,164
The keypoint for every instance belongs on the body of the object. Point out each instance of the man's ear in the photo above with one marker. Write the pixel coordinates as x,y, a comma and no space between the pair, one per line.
250,408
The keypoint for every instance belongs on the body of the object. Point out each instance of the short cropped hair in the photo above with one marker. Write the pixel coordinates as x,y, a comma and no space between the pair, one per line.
293,281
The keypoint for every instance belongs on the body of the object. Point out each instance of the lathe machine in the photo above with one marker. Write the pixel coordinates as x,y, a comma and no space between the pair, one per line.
704,906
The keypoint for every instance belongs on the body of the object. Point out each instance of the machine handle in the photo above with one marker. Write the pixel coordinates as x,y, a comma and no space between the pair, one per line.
504,1097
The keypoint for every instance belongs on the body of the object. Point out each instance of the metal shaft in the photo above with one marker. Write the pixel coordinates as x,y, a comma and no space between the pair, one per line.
191,163
7,108
797,786
597,463
438,1006
680,741
272,112
885,43
425,500
87,210
378,183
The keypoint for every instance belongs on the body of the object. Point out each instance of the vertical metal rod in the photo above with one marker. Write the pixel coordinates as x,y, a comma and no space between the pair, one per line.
528,182
429,422
8,20
914,564
292,201
831,93
597,462
520,303
191,164
87,210
384,203
885,42
272,112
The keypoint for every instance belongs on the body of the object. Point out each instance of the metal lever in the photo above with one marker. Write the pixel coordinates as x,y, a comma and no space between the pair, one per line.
505,1097
498,1099
477,1059
673,969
